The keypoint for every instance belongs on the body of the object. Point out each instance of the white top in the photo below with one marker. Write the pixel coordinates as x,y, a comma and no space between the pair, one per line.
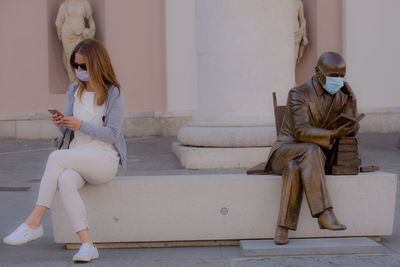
87,110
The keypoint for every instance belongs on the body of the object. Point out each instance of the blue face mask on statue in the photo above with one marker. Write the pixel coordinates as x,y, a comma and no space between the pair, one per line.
332,84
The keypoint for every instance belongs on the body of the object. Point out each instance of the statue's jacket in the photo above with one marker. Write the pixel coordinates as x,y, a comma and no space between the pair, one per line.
304,121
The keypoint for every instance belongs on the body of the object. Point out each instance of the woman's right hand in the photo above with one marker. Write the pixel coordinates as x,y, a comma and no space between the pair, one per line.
57,119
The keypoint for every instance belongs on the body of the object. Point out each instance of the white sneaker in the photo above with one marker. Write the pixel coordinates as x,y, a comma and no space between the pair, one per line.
23,234
86,253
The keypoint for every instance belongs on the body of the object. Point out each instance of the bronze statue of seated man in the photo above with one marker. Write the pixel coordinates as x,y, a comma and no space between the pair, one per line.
302,152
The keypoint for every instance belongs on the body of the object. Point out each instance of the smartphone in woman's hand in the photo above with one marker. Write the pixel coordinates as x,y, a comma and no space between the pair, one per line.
56,116
54,111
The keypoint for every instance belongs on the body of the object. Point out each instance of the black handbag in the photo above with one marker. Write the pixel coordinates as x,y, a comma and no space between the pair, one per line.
63,141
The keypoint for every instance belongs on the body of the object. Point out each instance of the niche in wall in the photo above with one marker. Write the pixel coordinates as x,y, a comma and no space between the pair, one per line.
58,78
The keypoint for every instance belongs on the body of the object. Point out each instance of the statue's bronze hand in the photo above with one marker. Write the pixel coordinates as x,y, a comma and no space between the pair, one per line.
345,130
347,89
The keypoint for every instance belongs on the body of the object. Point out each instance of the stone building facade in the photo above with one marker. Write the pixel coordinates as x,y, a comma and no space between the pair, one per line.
189,63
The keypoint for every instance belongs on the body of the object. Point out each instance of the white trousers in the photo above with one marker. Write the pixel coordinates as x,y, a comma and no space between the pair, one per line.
68,170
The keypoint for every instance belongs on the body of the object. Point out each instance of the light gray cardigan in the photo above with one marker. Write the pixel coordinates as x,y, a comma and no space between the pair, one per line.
110,132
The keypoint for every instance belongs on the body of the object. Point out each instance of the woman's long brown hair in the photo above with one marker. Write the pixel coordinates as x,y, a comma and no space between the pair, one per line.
99,67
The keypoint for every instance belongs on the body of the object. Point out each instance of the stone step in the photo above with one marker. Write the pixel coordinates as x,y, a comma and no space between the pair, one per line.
312,246
222,207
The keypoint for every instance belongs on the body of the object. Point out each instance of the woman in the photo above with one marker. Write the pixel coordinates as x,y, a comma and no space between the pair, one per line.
94,111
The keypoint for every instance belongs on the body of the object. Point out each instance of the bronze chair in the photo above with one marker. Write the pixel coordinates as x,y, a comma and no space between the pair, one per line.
279,112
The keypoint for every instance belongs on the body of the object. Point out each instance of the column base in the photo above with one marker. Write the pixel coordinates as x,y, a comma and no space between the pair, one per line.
227,136
215,157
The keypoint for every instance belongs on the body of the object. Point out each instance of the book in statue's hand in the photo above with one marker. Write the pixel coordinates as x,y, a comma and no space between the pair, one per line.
342,119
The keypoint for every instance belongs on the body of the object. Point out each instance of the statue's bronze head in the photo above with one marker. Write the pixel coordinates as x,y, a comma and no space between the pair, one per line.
330,64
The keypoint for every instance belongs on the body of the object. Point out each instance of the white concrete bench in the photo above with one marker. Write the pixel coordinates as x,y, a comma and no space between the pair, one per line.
222,207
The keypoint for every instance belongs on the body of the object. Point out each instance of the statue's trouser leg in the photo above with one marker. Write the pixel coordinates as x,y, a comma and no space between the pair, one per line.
302,167
291,196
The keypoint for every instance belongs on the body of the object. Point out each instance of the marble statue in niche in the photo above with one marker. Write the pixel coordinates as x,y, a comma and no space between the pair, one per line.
74,23
300,34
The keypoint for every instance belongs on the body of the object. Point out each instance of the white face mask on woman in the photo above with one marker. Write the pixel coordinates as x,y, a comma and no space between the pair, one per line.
82,75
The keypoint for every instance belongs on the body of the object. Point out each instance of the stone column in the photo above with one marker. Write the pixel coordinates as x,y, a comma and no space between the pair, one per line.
181,74
245,52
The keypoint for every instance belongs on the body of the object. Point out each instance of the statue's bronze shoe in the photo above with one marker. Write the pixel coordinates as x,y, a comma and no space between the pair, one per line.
281,235
328,220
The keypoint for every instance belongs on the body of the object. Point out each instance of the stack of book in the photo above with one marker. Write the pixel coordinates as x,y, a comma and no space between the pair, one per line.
348,158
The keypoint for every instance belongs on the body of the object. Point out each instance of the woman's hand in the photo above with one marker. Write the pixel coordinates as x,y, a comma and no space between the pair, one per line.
72,123
57,119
